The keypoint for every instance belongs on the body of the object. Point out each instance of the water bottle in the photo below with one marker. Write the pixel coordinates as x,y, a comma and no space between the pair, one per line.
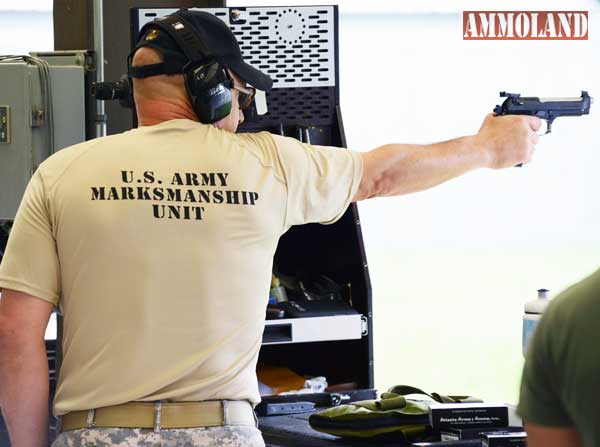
533,312
278,293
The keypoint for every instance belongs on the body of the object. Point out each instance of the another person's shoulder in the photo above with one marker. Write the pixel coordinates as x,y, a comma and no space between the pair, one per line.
580,303
560,370
568,318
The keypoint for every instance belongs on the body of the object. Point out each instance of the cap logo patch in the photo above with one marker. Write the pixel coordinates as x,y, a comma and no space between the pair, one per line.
152,34
178,25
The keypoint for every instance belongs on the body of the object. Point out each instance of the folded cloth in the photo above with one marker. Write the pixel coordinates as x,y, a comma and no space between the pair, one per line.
407,418
314,385
279,378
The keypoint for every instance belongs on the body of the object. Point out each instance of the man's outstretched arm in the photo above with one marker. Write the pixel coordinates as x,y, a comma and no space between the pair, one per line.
397,169
24,367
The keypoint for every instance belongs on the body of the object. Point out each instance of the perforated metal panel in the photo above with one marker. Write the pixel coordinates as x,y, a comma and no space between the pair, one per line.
294,45
300,106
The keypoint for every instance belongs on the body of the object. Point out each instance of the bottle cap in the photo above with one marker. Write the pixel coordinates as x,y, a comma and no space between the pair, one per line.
543,293
275,281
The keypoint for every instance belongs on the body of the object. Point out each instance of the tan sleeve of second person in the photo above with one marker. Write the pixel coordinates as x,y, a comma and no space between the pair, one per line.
30,262
321,180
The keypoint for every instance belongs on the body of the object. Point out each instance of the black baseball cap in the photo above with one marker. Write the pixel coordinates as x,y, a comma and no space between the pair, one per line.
213,40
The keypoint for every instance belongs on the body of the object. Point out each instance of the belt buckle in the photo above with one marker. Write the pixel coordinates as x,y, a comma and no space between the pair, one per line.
157,414
90,418
226,417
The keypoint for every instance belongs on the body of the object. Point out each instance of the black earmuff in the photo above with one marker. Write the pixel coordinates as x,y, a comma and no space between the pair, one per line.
208,86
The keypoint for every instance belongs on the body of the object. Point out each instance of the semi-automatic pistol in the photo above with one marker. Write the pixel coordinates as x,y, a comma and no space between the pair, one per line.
545,108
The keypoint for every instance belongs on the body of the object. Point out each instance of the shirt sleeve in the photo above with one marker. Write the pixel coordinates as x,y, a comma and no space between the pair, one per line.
540,402
30,263
321,180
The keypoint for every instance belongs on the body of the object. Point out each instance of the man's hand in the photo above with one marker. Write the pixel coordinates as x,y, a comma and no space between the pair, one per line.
509,140
24,367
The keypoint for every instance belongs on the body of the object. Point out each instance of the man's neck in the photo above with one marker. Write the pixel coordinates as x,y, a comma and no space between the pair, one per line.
151,112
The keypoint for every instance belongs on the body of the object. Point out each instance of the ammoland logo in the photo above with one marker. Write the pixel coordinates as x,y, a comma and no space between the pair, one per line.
525,25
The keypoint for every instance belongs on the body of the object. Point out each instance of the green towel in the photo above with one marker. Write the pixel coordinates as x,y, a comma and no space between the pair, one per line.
392,414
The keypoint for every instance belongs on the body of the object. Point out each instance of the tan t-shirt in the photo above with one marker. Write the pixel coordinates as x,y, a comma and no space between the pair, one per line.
158,246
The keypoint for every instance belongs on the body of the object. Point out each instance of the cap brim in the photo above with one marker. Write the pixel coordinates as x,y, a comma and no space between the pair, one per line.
252,76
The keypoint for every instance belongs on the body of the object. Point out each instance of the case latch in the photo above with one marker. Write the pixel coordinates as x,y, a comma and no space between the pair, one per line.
364,326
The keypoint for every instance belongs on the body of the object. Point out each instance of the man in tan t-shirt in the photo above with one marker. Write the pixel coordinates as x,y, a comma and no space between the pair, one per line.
158,245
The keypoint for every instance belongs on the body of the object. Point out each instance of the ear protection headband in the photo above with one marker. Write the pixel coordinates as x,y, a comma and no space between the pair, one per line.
207,81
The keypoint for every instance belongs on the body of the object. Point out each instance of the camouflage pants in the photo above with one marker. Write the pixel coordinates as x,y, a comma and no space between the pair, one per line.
228,436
